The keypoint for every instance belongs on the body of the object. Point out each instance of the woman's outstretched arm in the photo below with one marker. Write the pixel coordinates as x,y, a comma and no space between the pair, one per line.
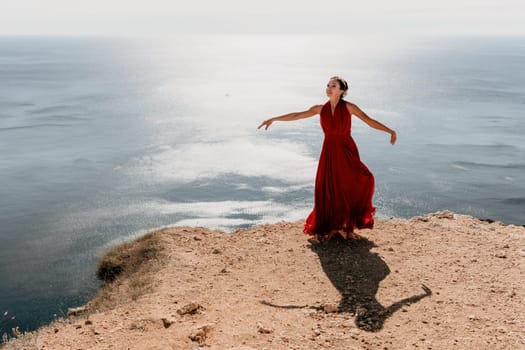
292,116
353,109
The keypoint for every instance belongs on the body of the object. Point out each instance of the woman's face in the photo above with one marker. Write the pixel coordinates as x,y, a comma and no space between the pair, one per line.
333,89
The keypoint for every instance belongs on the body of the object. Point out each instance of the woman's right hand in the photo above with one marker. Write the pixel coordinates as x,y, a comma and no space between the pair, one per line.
266,124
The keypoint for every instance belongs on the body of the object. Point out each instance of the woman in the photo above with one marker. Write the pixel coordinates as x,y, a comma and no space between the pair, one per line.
344,186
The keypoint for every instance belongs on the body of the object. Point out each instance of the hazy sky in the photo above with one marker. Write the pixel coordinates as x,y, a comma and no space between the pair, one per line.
168,17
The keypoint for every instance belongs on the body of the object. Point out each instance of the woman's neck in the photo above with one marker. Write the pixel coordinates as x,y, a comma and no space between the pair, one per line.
335,101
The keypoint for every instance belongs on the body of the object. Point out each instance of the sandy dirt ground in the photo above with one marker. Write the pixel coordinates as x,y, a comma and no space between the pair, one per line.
440,281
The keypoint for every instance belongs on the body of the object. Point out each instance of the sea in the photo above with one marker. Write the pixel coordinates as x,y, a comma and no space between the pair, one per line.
104,139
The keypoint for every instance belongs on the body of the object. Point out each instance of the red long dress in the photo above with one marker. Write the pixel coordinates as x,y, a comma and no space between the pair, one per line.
344,186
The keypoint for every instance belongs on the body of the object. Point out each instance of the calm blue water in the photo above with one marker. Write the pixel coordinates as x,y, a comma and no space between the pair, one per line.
104,139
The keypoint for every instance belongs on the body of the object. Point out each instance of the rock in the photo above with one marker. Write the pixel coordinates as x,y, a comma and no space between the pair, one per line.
421,218
197,238
190,308
88,322
355,331
330,308
200,334
216,251
262,329
167,322
16,333
445,214
74,311
502,329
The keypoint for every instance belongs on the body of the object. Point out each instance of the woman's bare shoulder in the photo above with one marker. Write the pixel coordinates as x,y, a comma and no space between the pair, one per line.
350,105
352,108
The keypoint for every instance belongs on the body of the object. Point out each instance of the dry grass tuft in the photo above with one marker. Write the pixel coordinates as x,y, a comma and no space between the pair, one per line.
128,258
126,271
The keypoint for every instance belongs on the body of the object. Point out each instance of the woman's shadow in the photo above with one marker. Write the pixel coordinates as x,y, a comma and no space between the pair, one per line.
356,273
